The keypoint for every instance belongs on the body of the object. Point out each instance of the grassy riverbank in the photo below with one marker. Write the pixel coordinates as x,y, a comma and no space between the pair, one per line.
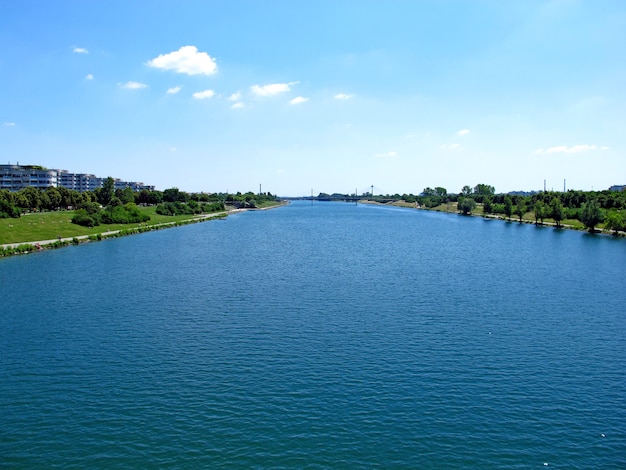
54,229
528,217
52,225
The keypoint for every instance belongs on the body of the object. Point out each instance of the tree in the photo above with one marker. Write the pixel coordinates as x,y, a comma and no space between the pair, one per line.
175,195
556,211
156,197
520,209
467,205
127,195
615,221
540,211
7,206
591,214
508,207
487,205
54,197
32,196
107,192
466,191
482,191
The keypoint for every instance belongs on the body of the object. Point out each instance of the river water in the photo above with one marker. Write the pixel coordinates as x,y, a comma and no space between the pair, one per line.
322,335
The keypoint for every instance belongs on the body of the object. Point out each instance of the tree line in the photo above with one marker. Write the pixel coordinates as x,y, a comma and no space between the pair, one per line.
589,207
110,205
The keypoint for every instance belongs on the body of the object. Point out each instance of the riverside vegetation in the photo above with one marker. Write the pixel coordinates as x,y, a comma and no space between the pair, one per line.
68,216
591,210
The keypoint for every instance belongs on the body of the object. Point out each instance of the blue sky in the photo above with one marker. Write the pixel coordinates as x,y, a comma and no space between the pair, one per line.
329,96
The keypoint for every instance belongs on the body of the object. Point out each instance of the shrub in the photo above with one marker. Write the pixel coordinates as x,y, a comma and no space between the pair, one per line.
82,217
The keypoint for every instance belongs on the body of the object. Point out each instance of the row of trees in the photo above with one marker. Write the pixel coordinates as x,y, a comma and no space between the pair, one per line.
589,207
30,199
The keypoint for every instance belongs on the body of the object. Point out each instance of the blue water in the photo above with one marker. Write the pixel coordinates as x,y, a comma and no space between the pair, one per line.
318,336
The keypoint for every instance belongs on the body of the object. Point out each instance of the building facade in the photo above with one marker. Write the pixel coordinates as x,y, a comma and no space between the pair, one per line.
16,177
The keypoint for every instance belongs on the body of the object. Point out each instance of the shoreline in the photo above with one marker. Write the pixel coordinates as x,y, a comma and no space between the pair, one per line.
596,231
19,248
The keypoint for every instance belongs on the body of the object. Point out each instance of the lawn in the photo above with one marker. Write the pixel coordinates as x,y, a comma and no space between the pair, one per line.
49,225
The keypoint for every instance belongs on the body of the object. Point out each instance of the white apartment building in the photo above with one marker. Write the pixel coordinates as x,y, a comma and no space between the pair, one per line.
16,177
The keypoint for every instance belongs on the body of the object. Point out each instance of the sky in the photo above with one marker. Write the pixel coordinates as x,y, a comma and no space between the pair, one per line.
294,97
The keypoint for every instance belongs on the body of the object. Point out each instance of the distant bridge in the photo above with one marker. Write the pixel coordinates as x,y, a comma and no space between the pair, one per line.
341,198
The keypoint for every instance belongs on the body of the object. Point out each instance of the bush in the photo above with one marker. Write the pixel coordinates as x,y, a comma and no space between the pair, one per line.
8,210
81,217
129,213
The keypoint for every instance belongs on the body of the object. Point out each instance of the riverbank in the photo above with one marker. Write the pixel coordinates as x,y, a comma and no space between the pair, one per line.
30,246
528,218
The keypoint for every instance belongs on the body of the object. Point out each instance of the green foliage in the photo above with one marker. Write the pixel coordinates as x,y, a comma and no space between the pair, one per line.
125,195
431,197
467,205
7,206
466,191
615,221
191,208
556,211
129,213
487,205
520,209
107,191
175,195
92,216
540,210
482,192
508,207
82,217
591,214
54,198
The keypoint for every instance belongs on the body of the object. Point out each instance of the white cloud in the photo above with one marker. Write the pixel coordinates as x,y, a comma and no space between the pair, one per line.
172,149
387,155
463,132
451,146
272,88
234,97
173,90
565,149
342,96
89,77
604,147
237,105
9,124
203,95
133,85
187,60
298,100
80,50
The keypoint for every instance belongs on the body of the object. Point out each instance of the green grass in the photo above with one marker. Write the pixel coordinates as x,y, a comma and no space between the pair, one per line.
49,225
